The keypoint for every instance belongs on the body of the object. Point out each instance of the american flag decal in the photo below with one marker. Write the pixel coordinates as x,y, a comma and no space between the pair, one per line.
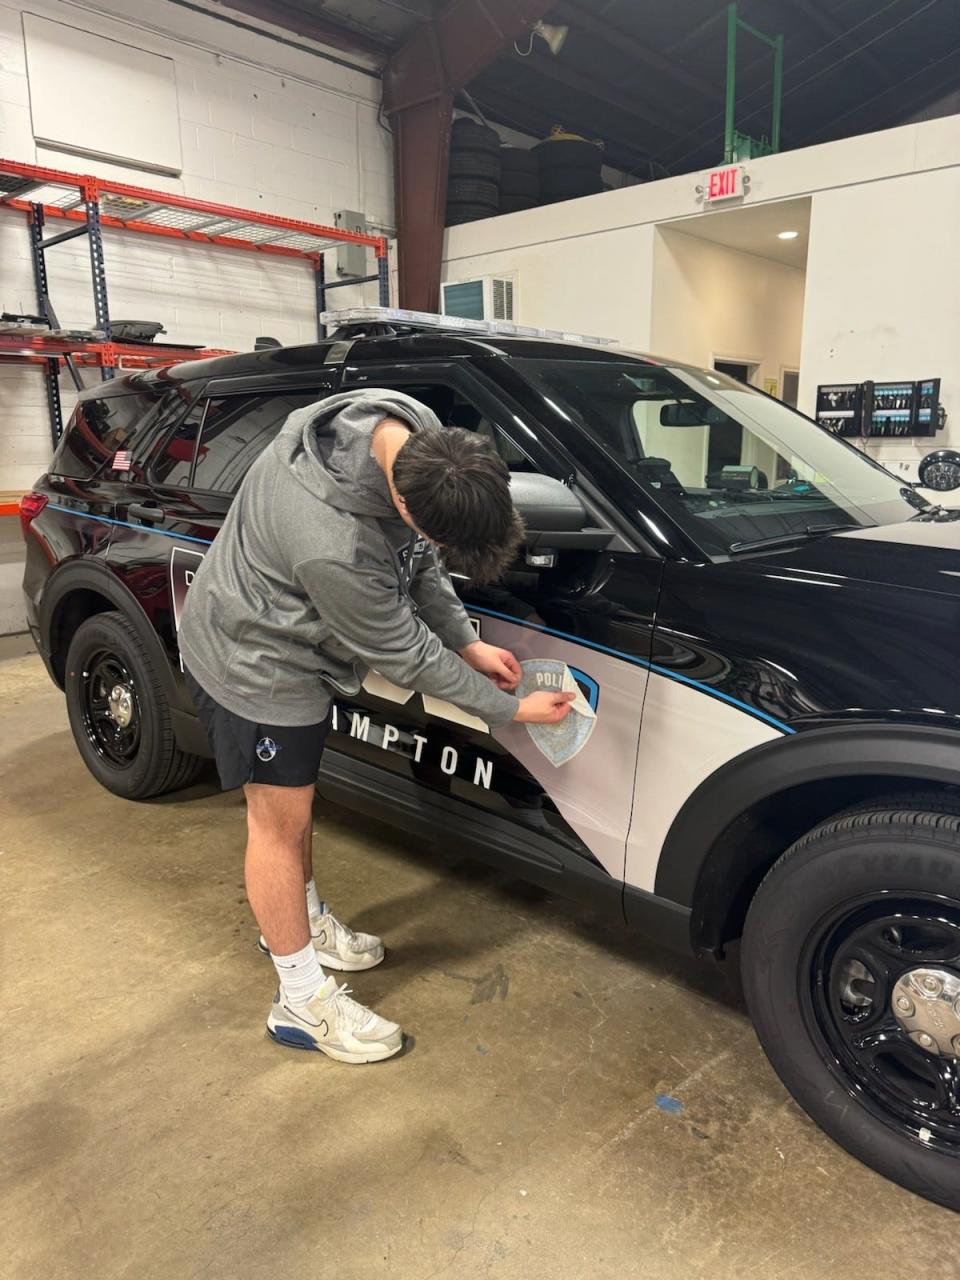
121,460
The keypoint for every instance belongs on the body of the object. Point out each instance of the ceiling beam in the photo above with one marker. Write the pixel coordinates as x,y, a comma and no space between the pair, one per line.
574,16
551,69
419,83
836,31
515,112
312,27
899,96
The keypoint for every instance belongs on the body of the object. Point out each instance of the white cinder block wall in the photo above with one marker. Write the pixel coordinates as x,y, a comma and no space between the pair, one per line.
262,125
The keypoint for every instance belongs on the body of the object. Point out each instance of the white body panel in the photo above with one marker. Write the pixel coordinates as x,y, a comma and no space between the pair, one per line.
686,736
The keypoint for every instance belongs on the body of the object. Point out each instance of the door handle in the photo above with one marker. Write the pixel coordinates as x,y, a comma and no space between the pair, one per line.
142,512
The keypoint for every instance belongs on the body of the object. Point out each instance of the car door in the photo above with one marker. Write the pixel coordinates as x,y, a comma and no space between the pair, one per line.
589,613
181,486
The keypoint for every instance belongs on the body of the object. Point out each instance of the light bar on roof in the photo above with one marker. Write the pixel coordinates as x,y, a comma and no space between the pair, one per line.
428,320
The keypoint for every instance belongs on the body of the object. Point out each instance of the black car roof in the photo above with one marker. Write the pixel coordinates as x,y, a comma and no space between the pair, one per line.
429,345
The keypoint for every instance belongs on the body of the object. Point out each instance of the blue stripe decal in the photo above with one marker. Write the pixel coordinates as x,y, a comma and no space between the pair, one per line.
492,613
641,662
125,524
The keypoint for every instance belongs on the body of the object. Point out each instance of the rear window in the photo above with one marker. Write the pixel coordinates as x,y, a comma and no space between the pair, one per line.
217,442
97,428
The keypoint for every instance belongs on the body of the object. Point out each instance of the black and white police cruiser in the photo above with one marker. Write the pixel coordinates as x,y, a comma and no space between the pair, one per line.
760,625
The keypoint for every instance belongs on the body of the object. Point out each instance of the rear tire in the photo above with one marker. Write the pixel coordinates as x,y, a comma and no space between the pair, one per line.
111,677
846,914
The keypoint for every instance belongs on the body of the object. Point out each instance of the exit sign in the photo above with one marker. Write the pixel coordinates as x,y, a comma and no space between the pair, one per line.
723,184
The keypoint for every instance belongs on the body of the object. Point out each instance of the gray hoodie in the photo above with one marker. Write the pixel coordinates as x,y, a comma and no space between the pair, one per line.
314,579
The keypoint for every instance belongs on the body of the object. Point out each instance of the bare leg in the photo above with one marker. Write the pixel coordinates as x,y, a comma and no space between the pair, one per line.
279,823
308,851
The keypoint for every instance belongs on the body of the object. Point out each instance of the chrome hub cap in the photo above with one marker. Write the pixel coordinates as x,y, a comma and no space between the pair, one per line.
120,705
926,1004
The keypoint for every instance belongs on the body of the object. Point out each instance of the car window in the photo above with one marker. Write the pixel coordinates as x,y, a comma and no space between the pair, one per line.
455,410
98,428
220,438
730,464
174,459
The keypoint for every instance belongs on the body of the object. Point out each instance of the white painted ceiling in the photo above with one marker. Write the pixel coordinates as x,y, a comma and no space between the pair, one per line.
754,229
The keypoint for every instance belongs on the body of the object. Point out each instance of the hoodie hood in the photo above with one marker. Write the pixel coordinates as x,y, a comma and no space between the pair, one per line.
326,446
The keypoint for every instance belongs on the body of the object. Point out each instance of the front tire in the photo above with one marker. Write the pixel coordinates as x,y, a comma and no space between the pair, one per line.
851,969
119,713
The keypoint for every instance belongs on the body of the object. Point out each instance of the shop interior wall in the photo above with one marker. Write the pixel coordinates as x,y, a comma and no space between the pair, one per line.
879,298
262,126
882,300
598,283
711,302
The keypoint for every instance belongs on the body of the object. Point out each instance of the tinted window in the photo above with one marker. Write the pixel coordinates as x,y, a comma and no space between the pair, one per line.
221,438
98,428
454,410
174,458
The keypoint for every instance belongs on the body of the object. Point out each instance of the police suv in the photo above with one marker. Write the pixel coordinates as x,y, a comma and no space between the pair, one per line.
759,622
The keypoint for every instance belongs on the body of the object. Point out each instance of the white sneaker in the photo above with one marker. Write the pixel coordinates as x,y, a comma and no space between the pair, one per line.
335,1025
338,947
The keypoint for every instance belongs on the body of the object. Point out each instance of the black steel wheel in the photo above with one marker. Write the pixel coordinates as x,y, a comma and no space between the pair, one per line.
851,968
884,999
119,712
110,707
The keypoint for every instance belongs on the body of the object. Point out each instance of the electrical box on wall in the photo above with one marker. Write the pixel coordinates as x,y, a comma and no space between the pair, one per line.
487,298
351,258
881,410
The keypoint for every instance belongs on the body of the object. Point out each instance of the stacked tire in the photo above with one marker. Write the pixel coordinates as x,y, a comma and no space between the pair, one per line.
473,187
519,179
569,167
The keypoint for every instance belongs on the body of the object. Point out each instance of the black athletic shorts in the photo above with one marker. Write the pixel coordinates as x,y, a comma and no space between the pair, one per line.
278,755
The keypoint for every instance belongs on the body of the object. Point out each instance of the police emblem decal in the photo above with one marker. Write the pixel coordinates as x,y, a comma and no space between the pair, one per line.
560,742
266,750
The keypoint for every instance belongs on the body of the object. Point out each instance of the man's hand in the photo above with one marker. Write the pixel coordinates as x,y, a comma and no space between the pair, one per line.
499,664
544,707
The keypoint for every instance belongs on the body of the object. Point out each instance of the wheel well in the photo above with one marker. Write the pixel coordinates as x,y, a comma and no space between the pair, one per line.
744,853
70,612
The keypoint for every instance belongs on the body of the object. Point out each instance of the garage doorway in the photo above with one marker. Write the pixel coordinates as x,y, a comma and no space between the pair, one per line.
735,369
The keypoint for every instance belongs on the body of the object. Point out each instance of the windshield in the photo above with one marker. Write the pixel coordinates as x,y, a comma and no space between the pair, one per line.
732,466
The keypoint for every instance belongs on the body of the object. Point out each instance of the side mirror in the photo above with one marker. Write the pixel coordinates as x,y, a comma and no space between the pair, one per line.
555,518
940,470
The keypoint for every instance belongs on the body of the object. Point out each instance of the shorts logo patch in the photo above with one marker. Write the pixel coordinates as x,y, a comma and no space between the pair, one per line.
266,750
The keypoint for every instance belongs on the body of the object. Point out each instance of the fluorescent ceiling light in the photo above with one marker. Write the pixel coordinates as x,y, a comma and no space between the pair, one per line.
787,235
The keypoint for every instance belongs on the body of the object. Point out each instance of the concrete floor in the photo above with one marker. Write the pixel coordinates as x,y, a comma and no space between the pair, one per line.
149,1129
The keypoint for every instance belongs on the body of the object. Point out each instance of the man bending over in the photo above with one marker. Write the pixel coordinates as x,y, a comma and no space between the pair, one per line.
327,566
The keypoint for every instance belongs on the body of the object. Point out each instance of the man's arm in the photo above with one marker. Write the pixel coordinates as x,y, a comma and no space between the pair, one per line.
440,606
364,610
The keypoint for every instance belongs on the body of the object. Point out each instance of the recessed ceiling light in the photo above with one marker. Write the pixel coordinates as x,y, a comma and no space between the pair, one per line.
787,235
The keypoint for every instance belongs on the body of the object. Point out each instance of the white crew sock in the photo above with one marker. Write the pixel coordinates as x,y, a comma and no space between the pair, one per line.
314,905
300,975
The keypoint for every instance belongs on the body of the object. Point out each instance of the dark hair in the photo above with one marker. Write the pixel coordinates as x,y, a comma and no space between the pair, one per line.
457,491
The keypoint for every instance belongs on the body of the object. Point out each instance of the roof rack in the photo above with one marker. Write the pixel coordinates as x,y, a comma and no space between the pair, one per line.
385,321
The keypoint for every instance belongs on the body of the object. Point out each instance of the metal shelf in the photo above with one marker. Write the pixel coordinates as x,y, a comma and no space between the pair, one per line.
162,213
101,355
89,204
